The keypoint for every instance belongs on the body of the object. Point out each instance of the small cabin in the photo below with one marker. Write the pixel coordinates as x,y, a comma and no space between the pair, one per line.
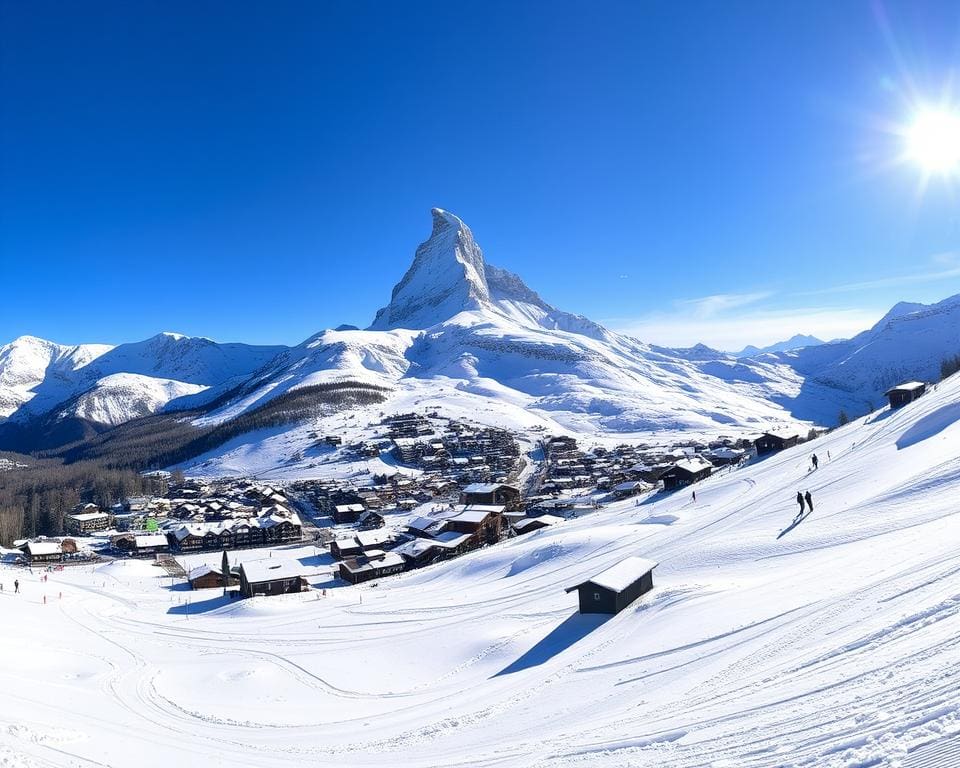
771,442
372,565
490,493
614,589
685,473
902,394
270,576
210,577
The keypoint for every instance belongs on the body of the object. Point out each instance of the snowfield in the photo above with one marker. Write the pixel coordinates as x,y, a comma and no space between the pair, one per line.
829,642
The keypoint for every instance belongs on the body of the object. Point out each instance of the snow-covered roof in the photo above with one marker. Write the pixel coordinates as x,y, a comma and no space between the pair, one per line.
909,386
476,513
387,560
693,465
527,522
43,547
630,485
150,540
84,517
270,569
450,539
620,576
483,487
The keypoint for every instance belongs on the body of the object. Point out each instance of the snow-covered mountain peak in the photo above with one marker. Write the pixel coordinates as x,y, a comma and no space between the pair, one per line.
447,276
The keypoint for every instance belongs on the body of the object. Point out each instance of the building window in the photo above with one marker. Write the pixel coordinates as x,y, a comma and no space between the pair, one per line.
596,595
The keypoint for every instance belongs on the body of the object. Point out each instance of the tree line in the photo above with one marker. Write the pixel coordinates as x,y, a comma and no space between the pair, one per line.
106,468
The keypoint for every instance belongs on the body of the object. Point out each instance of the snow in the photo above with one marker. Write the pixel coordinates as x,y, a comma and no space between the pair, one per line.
831,642
620,576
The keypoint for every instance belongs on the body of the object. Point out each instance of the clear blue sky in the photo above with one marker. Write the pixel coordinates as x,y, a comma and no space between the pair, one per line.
259,171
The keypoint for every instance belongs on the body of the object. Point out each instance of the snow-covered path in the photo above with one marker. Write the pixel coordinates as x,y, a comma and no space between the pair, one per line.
830,643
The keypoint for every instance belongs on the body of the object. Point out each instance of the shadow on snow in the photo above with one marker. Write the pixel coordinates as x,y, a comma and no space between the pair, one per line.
572,630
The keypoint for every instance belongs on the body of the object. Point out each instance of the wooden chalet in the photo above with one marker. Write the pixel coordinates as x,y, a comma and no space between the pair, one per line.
777,440
483,522
372,565
902,394
362,541
347,513
615,588
270,576
42,551
686,472
491,494
210,577
141,543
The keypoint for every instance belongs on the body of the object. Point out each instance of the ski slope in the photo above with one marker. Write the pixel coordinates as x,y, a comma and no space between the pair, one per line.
830,642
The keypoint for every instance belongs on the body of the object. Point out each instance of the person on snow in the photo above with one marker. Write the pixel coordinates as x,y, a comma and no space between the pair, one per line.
16,586
694,496
800,502
809,501
814,460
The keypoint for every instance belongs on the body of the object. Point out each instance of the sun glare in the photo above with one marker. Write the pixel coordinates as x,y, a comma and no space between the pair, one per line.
933,141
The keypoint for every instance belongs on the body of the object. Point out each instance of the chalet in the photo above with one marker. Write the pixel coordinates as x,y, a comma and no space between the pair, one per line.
724,456
614,589
141,543
686,472
370,520
902,394
361,542
270,576
372,565
210,577
777,440
86,522
43,551
347,513
490,493
483,522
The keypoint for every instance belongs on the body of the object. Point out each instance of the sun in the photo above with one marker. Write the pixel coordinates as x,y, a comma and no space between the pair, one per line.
933,141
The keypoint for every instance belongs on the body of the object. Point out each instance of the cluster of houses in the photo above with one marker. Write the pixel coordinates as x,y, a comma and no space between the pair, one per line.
627,470
482,517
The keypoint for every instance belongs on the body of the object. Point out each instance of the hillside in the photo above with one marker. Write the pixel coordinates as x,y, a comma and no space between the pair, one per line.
831,642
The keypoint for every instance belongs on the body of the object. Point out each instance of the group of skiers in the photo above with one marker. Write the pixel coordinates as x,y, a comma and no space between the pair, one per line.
804,497
16,586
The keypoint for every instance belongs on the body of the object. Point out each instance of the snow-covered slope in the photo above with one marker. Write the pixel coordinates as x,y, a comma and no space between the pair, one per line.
766,642
908,343
29,364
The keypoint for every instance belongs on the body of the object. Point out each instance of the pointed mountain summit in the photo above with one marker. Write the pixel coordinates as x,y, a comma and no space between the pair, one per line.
449,276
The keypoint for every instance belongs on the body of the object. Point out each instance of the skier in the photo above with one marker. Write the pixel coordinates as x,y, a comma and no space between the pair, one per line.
16,586
694,497
814,460
809,501
800,502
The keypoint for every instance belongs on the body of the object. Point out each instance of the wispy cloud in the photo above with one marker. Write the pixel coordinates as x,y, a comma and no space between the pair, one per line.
707,307
947,266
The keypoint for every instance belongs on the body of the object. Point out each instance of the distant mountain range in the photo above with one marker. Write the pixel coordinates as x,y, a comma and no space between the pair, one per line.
458,327
794,342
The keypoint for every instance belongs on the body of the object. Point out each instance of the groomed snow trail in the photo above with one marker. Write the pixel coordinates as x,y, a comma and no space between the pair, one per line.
830,643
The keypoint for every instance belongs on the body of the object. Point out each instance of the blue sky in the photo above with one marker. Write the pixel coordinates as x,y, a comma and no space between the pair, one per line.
726,172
